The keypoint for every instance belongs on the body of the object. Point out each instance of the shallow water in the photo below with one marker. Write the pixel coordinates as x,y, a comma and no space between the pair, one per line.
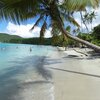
22,75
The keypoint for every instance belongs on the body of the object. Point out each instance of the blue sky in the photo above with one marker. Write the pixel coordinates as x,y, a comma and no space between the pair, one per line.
3,25
23,29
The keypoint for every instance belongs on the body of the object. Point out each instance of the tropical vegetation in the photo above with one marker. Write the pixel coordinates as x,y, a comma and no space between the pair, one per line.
51,13
93,37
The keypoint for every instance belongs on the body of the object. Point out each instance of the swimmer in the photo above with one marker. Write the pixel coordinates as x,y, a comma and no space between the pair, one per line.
30,49
17,47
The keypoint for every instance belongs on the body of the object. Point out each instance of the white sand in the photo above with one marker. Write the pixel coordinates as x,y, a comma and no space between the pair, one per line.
74,78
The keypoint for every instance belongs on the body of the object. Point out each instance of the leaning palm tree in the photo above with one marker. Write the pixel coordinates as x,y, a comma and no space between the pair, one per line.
56,11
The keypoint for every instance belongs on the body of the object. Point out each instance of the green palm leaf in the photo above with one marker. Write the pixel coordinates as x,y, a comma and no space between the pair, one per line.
19,10
37,22
78,5
43,30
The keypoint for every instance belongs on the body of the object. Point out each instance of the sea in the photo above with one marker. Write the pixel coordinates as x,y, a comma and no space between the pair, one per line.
22,72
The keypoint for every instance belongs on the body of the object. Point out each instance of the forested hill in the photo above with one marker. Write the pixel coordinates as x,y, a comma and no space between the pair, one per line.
6,37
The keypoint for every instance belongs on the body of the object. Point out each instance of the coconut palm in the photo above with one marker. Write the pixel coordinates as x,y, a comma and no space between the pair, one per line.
56,11
88,17
83,19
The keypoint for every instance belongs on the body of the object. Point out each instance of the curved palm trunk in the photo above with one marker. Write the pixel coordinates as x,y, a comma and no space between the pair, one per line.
67,34
54,12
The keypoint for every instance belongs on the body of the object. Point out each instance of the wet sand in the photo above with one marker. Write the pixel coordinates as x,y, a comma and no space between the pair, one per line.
75,76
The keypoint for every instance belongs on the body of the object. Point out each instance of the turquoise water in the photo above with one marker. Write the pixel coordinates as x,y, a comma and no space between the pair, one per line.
14,52
22,74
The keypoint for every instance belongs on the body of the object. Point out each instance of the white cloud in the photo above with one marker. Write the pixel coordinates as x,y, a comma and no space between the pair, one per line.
23,30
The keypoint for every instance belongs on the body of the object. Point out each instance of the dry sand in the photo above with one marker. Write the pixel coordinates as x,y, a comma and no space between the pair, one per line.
75,76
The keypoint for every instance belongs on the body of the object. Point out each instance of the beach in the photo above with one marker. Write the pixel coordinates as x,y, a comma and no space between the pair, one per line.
75,76
48,73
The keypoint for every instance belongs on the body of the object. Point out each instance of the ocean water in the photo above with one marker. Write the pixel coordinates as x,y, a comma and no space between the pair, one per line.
22,74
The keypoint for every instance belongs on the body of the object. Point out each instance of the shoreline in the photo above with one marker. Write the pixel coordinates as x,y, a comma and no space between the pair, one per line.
75,77
56,75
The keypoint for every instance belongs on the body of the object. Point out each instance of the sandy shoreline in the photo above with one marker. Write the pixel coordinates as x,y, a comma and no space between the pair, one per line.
74,77
57,75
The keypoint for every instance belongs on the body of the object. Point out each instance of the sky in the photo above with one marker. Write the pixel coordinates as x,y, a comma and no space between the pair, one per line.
96,21
23,29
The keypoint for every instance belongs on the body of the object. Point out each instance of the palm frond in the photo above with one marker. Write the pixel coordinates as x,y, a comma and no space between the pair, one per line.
69,18
55,30
55,39
18,10
94,3
37,22
78,5
72,20
43,30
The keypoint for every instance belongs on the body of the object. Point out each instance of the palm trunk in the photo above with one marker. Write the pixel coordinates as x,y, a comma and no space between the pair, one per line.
84,21
54,12
88,44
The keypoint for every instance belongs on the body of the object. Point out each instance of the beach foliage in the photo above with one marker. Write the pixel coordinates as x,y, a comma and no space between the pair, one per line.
50,13
85,36
96,32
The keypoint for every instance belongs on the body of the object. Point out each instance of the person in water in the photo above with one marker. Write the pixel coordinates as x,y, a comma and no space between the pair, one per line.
30,49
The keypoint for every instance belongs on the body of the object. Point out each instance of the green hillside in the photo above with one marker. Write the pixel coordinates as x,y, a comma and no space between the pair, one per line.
17,39
6,37
34,40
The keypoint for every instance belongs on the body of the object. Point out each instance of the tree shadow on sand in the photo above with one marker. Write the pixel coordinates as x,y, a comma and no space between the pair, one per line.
10,85
75,72
51,61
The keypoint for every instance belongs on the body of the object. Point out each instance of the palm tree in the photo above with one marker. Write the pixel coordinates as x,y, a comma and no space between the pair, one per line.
92,16
84,19
53,10
88,18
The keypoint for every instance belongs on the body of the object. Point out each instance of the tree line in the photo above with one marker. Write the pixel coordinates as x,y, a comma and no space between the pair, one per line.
93,37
